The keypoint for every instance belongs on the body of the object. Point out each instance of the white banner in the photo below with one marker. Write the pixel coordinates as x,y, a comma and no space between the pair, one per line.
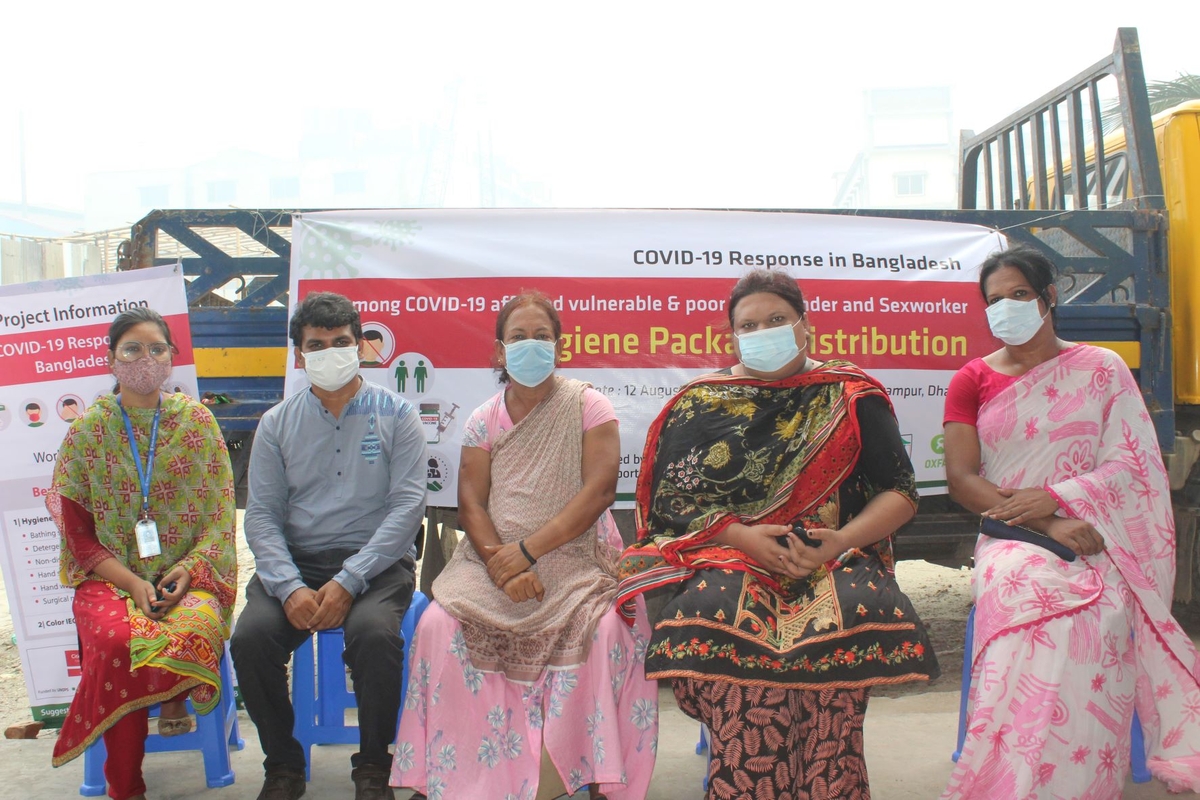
642,298
53,364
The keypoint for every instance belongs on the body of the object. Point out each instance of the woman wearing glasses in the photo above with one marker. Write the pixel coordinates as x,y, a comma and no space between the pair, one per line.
143,498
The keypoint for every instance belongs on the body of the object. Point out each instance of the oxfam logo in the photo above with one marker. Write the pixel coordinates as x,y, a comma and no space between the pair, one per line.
936,445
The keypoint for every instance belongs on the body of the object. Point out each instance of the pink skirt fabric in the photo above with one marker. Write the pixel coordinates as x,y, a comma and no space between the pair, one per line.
1051,701
467,733
1065,651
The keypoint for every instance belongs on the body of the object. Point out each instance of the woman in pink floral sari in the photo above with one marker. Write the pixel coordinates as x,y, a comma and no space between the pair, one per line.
1054,436
523,650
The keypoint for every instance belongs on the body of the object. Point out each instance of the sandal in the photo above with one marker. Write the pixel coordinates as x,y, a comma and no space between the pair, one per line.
174,726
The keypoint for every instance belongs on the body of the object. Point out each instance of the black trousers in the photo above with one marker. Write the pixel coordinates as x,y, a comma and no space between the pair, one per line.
263,642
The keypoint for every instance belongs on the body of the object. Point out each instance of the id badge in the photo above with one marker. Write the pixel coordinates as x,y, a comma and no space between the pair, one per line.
146,533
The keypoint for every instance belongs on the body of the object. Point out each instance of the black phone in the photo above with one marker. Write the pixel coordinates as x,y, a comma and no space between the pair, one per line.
170,587
801,534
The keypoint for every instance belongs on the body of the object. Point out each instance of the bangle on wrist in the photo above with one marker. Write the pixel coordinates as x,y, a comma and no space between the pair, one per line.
524,552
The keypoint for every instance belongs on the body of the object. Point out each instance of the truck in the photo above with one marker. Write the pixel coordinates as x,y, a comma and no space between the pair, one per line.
1125,236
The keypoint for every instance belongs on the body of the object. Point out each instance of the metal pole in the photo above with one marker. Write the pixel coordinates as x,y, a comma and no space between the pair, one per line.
21,157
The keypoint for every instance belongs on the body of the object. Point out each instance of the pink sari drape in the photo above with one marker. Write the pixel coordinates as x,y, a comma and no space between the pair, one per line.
1064,652
494,682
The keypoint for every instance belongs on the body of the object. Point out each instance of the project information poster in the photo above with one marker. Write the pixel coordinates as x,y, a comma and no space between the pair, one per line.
53,365
642,299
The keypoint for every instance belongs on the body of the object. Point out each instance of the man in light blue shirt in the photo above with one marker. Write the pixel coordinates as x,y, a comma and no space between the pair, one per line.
337,495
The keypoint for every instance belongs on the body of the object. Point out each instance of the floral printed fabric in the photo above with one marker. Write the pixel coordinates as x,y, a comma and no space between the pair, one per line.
815,448
95,495
731,449
492,682
191,495
780,744
1065,651
536,470
465,733
113,684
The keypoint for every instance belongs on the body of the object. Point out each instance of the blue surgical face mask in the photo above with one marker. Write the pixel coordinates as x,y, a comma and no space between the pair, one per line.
1015,322
770,349
529,361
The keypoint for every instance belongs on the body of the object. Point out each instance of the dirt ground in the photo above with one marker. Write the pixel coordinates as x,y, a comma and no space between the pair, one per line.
924,716
940,594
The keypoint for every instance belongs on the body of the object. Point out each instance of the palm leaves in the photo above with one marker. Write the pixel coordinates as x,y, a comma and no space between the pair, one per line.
1162,95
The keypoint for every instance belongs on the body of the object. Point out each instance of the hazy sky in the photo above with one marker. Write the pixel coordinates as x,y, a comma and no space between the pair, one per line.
737,104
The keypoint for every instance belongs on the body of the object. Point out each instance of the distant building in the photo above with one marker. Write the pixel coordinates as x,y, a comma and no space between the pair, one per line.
29,220
344,161
911,155
37,243
24,259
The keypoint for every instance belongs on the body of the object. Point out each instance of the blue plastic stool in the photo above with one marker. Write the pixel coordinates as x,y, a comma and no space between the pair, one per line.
214,734
964,695
1137,744
320,695
701,749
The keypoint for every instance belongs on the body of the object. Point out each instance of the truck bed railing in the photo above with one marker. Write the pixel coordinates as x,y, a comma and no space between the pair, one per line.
1026,149
1050,157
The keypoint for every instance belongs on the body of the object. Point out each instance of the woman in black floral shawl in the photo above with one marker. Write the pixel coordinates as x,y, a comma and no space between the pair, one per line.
772,642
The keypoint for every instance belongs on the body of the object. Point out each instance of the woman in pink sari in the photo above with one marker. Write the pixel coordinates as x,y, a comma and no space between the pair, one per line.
523,648
1054,437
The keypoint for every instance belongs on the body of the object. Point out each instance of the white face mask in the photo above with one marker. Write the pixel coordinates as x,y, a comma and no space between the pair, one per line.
769,349
332,368
1014,322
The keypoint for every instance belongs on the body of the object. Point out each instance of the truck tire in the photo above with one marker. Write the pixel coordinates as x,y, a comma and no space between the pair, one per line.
1186,504
1187,564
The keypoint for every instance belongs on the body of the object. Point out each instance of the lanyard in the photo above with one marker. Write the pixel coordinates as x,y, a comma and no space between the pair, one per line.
143,477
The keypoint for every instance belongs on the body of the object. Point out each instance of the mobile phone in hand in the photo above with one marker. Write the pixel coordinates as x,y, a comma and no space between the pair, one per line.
801,534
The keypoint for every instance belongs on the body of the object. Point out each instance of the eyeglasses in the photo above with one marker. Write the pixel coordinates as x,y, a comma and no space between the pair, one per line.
132,351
